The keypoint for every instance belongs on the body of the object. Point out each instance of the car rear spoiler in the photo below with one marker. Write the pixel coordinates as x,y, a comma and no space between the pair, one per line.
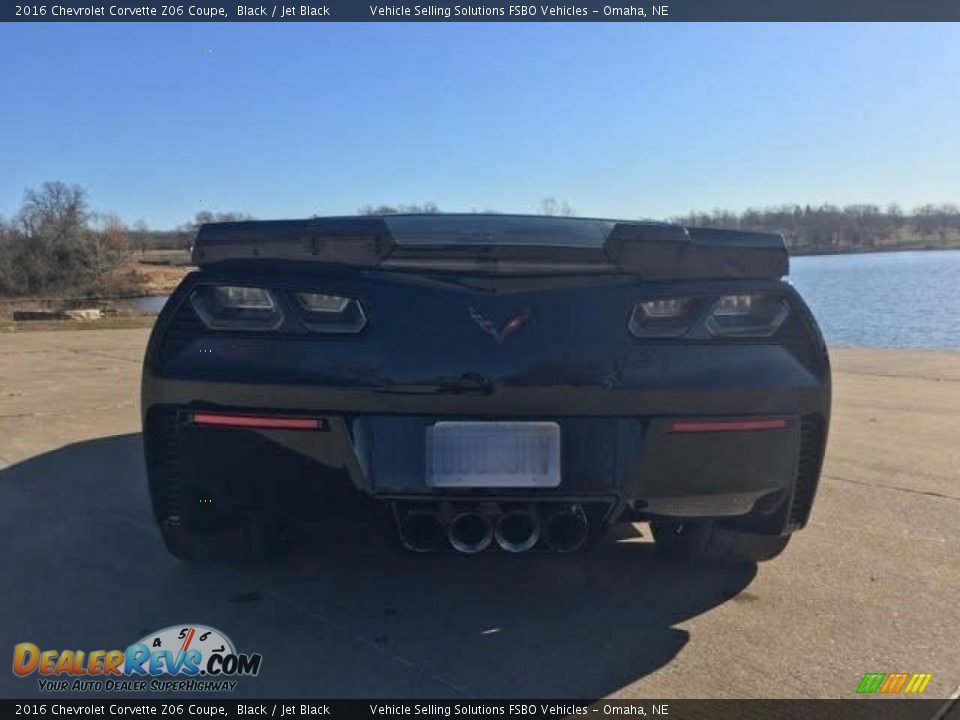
499,244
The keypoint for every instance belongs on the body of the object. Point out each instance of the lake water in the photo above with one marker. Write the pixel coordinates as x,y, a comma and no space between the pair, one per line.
892,299
149,304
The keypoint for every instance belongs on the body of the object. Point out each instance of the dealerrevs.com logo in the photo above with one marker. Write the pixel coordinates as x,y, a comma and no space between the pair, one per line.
178,658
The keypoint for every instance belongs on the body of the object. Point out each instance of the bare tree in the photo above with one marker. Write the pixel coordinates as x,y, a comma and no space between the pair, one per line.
552,206
208,216
548,206
184,233
377,210
945,217
8,280
113,233
139,235
894,218
924,219
56,247
427,208
56,212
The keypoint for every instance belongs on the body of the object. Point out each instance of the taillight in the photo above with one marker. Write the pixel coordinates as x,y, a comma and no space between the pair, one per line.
236,307
661,317
260,422
698,318
242,307
330,313
750,315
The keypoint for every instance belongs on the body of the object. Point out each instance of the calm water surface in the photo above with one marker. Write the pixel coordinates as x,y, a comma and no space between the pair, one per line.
893,299
149,304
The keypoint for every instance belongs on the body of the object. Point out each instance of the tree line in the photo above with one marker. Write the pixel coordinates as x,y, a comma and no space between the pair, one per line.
56,243
829,228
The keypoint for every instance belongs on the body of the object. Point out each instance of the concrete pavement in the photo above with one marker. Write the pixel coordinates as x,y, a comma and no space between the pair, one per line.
870,586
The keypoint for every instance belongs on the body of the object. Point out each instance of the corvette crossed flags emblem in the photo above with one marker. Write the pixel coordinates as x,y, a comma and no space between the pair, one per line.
509,327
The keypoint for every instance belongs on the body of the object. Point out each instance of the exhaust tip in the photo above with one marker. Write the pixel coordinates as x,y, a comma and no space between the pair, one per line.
517,531
566,530
421,531
470,532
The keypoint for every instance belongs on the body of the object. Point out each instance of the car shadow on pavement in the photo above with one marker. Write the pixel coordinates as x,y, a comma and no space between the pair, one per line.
346,615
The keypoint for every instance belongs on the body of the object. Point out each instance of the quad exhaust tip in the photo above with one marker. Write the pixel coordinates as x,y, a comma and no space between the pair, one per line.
517,531
566,530
470,532
421,530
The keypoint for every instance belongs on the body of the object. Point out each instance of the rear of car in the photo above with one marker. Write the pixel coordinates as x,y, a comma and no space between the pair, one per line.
486,382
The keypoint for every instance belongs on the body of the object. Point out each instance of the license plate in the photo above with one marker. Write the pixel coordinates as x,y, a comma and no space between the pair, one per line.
493,454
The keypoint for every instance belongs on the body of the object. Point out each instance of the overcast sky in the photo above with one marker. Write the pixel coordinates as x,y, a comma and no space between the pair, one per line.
161,120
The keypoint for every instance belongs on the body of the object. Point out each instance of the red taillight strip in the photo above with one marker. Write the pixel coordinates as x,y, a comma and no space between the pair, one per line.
257,421
693,426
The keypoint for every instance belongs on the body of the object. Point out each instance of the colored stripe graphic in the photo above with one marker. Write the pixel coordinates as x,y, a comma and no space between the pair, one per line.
918,683
892,683
871,682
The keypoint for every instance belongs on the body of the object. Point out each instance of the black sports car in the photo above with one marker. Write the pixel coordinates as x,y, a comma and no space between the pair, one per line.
486,381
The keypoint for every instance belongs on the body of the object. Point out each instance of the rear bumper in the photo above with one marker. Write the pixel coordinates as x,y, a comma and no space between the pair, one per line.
638,466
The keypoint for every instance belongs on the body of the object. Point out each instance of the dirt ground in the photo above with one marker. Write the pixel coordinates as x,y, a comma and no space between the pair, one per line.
161,279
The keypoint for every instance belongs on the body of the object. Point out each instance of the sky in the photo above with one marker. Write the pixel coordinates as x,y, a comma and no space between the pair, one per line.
159,121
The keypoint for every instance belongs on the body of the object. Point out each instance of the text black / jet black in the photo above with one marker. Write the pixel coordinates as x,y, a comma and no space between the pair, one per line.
488,381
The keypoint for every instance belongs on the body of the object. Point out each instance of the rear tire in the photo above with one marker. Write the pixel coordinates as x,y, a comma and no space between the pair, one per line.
252,542
706,542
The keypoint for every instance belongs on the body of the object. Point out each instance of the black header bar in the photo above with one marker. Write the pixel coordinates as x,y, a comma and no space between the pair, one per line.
529,709
490,11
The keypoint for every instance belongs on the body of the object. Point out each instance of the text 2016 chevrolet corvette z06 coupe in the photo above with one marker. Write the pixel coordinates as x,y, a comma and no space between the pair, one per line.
518,383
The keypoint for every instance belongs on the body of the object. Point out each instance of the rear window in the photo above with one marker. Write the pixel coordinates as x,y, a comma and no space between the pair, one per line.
497,230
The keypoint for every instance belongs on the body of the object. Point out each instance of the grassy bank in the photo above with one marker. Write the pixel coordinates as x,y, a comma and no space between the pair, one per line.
117,322
901,244
138,275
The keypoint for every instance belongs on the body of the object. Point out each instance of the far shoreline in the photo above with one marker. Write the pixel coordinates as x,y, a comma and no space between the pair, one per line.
872,251
160,280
